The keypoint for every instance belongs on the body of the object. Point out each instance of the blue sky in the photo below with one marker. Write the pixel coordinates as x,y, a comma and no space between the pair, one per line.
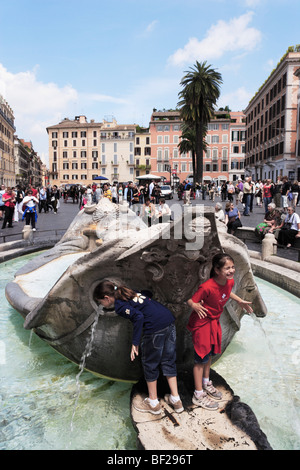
62,58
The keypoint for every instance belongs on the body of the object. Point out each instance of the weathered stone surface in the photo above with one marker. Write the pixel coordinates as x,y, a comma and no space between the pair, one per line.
233,427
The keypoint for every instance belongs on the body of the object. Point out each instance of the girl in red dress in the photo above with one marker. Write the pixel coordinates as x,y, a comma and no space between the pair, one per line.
207,304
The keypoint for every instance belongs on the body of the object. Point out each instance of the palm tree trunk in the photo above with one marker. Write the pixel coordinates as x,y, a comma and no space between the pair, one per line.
199,151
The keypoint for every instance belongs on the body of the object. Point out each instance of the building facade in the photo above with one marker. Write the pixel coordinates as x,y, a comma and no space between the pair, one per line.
166,160
142,152
7,159
80,150
223,159
271,124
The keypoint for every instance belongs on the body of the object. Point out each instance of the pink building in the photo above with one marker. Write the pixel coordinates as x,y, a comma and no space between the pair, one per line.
223,159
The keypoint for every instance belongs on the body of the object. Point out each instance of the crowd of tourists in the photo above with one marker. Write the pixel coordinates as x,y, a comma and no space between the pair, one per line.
18,203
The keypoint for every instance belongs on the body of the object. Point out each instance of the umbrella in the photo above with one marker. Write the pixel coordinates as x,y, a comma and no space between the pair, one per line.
100,178
148,177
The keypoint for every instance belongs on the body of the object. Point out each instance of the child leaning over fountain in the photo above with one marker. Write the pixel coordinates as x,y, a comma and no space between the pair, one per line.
158,325
207,304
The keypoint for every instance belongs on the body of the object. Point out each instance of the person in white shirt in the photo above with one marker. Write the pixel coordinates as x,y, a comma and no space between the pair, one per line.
164,211
291,228
30,212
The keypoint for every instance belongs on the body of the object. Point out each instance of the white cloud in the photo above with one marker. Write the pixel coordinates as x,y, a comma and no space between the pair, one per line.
102,98
150,28
232,36
237,100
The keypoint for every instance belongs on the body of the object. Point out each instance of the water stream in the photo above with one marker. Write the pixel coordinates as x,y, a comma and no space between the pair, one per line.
48,403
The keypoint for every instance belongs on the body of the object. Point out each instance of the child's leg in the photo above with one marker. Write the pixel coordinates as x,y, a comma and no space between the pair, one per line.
172,381
152,390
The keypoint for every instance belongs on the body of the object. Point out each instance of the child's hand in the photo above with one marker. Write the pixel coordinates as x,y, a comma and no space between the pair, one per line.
246,306
134,352
200,310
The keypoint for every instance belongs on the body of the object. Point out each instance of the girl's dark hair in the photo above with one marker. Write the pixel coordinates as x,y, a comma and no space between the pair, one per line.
218,262
112,290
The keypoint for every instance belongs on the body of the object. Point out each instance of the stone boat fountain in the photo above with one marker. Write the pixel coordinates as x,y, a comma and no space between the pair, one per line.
54,292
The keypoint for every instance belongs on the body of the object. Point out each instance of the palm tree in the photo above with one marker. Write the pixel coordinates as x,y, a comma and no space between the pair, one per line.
201,90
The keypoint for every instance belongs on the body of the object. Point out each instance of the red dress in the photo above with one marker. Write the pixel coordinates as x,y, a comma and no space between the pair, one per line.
207,332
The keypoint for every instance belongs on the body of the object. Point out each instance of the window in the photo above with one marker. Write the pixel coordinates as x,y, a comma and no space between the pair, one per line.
65,166
215,139
74,154
83,154
83,166
74,166
84,177
74,135
175,139
54,135
65,135
83,134
65,177
224,138
74,177
166,139
159,139
83,143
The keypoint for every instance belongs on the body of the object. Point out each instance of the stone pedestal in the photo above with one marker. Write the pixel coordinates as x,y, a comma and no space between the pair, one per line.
27,233
269,246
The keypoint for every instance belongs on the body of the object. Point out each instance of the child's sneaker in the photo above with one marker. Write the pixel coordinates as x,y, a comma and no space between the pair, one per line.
145,407
205,402
177,405
212,391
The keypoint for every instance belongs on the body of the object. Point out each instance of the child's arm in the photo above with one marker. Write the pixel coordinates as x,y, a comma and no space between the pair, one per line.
242,303
199,309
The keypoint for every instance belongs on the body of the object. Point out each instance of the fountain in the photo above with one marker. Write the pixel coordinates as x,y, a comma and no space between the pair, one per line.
54,292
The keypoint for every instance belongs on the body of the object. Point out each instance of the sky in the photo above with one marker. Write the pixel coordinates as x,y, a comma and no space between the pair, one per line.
122,58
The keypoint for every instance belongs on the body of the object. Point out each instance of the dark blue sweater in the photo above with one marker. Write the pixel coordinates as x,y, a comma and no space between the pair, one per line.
146,314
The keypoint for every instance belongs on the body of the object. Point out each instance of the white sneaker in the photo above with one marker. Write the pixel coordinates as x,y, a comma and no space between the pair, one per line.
34,229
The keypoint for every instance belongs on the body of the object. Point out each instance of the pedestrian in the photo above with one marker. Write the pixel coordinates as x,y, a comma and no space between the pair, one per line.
43,200
19,203
204,324
158,343
148,212
55,196
267,193
9,199
285,189
2,206
29,207
247,196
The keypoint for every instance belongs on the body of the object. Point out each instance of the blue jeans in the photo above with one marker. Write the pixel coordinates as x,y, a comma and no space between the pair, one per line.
247,204
159,350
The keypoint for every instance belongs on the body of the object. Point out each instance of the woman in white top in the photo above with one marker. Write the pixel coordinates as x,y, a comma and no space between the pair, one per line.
30,212
290,229
219,213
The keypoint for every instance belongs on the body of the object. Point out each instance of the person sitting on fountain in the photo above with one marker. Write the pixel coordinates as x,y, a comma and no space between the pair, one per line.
158,325
207,304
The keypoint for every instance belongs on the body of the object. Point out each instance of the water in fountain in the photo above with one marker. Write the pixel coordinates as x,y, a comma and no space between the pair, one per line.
38,386
87,352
